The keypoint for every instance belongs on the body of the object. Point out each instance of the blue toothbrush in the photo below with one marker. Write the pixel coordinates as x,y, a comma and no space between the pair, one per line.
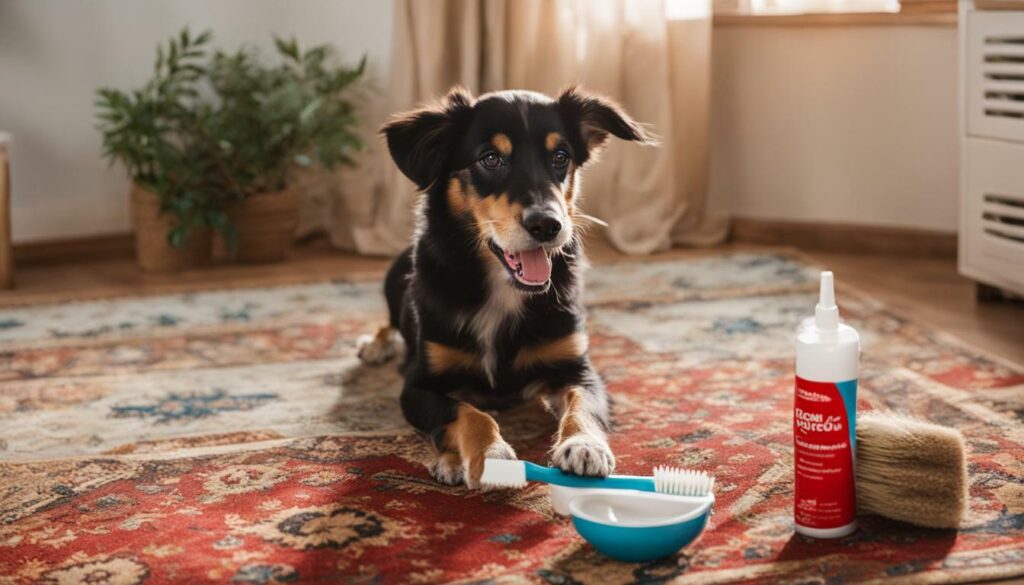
666,480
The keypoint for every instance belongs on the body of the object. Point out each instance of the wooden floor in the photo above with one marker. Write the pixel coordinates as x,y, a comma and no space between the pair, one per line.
927,290
931,292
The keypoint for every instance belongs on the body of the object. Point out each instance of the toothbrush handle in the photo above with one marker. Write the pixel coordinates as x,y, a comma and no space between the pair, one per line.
554,476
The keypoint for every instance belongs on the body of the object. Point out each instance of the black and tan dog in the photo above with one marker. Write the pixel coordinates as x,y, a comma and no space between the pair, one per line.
487,299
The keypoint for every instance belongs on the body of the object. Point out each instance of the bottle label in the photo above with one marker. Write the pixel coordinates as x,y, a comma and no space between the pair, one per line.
824,440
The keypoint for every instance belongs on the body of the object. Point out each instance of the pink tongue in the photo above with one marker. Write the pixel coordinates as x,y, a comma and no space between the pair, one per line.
536,265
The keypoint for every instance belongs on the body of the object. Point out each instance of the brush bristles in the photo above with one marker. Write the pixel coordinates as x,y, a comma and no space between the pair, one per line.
682,482
503,473
910,470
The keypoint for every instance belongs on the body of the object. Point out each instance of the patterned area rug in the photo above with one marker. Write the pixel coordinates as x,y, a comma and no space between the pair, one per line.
232,436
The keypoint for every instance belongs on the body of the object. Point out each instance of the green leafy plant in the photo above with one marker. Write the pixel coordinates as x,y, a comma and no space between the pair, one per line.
152,132
266,119
206,129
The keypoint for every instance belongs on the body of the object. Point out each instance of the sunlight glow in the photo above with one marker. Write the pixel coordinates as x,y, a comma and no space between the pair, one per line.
687,9
821,6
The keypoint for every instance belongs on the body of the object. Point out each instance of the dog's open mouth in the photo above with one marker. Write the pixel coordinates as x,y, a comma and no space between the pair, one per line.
531,269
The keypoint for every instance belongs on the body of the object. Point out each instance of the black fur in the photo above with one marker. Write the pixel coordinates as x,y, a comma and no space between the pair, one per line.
437,286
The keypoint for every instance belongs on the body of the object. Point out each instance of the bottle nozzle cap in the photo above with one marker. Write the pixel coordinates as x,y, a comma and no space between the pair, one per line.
826,314
827,293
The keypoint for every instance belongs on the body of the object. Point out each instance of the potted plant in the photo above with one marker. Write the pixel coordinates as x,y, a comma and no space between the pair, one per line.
264,122
211,145
152,131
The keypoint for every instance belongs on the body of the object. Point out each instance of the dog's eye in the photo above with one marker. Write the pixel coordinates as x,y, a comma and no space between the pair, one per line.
560,159
491,161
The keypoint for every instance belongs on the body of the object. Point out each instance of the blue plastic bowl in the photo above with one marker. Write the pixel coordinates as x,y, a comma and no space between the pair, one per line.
638,526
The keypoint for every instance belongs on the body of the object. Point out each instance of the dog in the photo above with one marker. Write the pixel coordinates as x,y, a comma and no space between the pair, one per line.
488,297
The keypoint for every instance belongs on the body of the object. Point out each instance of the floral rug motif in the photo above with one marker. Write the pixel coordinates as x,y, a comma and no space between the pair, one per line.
233,437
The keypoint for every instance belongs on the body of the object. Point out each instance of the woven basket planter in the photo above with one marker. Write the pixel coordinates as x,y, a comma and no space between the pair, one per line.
152,251
266,225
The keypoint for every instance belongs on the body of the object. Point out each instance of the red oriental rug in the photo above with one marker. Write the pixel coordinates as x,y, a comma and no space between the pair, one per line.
232,437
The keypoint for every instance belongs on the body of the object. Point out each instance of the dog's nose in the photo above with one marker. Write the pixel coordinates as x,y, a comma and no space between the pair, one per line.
542,226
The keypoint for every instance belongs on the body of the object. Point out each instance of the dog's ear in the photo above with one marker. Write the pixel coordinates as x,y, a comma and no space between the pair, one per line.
420,141
590,119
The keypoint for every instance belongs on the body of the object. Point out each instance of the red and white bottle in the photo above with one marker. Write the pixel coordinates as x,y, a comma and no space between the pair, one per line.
824,415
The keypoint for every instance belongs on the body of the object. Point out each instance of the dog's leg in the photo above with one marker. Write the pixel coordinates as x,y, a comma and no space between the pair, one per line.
462,435
383,346
581,446
474,435
379,348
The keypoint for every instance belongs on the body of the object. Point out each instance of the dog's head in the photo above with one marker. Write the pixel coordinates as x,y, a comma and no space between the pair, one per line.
507,163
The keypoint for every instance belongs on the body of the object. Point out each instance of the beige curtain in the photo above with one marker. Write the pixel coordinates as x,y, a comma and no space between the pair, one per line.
653,56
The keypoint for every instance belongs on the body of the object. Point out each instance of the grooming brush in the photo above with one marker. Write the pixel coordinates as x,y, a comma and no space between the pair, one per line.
910,470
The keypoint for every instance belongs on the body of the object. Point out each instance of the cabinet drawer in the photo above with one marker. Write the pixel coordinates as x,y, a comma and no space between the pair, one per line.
995,75
993,237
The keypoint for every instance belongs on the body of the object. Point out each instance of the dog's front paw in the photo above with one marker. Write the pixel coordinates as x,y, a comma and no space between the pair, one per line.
584,455
447,469
474,468
377,349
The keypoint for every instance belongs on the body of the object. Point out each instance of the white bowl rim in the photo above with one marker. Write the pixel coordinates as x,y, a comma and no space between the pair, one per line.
703,504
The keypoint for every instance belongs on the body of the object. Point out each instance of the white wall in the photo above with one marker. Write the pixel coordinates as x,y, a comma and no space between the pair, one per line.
839,124
55,53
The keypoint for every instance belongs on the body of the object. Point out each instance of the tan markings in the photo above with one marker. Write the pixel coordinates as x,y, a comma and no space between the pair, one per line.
472,434
458,200
384,334
564,349
570,423
502,143
551,140
566,194
443,358
495,214
576,419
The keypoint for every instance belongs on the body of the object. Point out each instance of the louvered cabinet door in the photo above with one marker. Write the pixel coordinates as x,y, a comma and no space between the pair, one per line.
995,75
993,241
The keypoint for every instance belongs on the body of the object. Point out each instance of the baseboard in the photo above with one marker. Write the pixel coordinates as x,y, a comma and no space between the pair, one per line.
58,251
849,238
830,237
839,19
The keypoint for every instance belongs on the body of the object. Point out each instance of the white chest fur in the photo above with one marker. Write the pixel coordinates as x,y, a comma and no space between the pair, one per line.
503,303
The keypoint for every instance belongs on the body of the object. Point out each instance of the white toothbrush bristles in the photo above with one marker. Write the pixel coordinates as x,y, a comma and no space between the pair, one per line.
503,473
682,482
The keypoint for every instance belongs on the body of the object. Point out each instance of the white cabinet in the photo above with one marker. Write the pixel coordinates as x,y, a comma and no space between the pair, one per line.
992,144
